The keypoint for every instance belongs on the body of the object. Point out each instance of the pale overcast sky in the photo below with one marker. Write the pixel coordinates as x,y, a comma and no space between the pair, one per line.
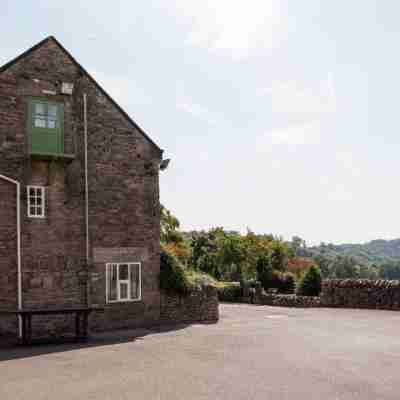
281,116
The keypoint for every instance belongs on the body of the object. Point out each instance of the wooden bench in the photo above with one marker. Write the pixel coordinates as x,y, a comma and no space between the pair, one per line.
81,319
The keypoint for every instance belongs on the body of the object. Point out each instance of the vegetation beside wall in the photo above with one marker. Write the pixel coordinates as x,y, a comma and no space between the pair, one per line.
219,256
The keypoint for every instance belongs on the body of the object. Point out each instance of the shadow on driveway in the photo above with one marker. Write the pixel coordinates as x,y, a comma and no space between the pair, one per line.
10,349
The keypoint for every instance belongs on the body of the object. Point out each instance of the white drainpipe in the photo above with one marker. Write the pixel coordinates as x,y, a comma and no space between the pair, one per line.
86,183
18,185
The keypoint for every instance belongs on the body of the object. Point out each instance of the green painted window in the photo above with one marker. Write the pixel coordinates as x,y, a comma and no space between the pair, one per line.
46,126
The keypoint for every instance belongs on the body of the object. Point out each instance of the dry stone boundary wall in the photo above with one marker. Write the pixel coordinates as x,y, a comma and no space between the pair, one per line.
361,293
197,306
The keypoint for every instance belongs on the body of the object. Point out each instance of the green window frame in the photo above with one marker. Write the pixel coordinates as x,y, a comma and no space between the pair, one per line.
46,126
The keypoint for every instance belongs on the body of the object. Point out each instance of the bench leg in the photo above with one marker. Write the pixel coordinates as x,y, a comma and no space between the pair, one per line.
85,325
77,326
29,329
24,333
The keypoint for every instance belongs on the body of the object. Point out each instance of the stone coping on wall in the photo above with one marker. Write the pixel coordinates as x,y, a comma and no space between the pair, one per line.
359,283
288,300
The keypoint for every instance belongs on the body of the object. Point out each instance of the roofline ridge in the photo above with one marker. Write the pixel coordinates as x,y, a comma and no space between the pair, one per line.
71,57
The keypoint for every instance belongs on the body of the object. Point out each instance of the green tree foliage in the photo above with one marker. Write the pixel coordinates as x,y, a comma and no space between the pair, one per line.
310,283
172,238
390,270
172,274
169,227
231,256
344,266
287,283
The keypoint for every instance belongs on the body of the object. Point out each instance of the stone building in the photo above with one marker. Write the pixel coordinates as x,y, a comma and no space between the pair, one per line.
79,196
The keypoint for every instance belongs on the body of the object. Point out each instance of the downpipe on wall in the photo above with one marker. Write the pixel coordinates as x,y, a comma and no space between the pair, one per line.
18,186
86,194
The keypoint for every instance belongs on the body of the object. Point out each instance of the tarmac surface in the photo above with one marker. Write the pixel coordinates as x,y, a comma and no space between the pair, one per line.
254,352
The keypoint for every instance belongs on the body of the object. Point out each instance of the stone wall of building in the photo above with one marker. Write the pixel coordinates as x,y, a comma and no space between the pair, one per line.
123,196
198,306
361,293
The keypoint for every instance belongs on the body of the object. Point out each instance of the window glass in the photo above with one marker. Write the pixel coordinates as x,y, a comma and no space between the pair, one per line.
36,201
123,291
39,109
135,289
123,272
123,281
45,115
51,124
40,122
52,111
112,286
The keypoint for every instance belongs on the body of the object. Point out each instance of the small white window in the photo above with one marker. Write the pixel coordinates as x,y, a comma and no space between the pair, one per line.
124,282
36,201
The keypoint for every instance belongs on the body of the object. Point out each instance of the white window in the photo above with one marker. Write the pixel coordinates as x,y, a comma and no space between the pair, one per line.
36,201
124,282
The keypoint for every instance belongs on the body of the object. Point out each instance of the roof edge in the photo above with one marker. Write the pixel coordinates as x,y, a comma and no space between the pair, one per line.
4,67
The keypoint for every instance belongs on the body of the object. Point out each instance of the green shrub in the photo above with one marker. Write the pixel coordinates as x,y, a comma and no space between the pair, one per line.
198,279
310,283
265,273
250,283
229,291
172,274
287,283
270,278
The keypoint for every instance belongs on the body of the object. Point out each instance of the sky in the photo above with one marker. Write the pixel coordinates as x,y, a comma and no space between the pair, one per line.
279,116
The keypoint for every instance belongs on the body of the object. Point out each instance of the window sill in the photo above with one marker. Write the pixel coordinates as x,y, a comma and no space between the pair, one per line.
67,158
123,301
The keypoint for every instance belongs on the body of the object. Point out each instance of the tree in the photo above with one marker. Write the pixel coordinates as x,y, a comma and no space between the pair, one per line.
171,237
169,227
265,273
298,245
344,267
310,284
279,255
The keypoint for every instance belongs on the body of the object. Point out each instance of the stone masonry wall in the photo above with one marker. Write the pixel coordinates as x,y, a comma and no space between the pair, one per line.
198,306
361,293
123,197
288,300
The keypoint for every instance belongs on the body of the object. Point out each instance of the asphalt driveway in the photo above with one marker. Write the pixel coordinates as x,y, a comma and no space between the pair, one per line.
254,352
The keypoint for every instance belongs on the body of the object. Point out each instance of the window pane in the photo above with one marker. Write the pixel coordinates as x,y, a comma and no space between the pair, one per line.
39,201
52,111
31,191
39,211
135,284
32,210
112,282
40,123
123,293
39,108
51,124
123,272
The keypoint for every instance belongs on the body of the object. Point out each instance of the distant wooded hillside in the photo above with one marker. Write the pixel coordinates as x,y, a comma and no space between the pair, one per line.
374,252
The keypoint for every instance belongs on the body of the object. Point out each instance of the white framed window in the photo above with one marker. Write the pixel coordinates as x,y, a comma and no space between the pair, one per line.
36,201
123,282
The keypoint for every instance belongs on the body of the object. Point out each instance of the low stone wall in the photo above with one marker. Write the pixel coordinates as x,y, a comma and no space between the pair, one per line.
198,306
287,300
361,293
